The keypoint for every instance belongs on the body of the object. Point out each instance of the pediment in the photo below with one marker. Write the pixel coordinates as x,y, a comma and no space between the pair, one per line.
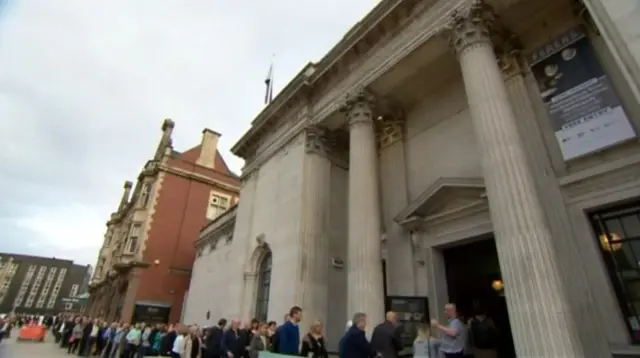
444,196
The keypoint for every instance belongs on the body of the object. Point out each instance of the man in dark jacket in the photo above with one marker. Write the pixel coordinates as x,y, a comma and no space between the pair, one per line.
354,343
386,338
166,344
232,344
289,333
214,340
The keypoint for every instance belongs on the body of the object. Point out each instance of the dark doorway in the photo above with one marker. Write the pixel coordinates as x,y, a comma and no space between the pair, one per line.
475,283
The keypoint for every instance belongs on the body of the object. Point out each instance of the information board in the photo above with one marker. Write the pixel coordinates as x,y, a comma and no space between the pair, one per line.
411,312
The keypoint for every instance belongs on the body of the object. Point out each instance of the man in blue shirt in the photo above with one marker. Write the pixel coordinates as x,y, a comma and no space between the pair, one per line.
453,334
289,333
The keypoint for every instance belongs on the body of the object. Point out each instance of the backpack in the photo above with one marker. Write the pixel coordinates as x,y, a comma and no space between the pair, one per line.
484,334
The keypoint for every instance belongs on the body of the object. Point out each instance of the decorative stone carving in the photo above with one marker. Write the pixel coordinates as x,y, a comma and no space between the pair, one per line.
316,140
359,107
472,28
389,131
510,58
580,10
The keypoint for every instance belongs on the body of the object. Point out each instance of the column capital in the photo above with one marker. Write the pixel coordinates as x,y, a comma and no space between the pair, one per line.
473,27
390,131
358,106
316,139
510,58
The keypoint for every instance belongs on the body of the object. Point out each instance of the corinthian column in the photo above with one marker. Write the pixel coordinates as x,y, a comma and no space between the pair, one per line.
539,310
315,227
364,265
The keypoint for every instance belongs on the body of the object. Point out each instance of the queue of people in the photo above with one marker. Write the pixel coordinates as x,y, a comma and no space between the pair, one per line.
86,337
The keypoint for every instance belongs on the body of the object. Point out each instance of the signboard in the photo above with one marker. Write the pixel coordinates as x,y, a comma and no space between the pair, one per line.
585,112
411,313
151,314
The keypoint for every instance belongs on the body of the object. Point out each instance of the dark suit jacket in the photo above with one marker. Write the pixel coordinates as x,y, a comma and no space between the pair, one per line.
213,342
386,339
354,344
232,342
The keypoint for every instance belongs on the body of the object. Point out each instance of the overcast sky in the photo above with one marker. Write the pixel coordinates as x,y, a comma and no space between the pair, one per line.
85,85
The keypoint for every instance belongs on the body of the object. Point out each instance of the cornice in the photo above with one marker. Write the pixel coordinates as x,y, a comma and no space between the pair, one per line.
428,24
271,149
295,89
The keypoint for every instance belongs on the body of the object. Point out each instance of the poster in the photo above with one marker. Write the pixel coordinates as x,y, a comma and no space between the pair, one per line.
585,112
411,313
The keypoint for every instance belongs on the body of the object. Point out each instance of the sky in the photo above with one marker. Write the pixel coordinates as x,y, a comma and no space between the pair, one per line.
85,86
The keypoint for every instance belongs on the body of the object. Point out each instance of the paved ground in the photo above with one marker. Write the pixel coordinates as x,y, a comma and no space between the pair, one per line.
9,348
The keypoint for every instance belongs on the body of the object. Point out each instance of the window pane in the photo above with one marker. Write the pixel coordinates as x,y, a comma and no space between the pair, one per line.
618,233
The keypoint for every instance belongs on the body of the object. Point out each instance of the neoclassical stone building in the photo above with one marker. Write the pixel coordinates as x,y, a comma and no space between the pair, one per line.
433,125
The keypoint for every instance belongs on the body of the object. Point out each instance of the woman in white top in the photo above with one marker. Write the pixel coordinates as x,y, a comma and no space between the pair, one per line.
425,345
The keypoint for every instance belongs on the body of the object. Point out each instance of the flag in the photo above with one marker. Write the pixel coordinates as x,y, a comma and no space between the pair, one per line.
268,96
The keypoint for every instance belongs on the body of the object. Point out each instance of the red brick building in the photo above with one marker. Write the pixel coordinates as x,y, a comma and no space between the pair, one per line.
143,267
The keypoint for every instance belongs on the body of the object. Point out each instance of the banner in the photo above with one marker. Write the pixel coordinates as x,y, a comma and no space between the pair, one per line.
585,112
265,354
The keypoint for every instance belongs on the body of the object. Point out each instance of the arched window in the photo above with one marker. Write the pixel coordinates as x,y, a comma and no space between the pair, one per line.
264,284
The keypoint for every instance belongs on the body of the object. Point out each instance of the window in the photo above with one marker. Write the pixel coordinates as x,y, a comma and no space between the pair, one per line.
40,302
218,204
145,194
264,285
134,237
74,290
618,235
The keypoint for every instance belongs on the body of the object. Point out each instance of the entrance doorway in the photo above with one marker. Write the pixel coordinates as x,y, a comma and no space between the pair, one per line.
474,283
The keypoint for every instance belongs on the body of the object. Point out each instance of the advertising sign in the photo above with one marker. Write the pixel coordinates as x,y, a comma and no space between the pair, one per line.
585,112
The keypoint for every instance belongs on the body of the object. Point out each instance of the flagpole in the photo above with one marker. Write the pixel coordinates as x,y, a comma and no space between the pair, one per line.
268,95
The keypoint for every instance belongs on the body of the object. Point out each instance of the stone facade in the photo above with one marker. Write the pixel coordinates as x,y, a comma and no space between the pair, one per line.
148,251
426,131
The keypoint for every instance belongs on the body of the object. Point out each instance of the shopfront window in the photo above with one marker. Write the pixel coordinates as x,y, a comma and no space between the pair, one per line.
618,232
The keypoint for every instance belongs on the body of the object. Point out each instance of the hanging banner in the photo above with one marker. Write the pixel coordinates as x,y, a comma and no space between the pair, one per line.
585,112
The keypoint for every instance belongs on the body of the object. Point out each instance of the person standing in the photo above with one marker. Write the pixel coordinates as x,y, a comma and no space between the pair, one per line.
313,342
214,338
178,343
232,345
386,338
354,343
289,333
259,341
453,337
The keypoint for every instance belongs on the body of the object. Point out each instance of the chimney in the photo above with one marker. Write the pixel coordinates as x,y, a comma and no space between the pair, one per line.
125,196
208,149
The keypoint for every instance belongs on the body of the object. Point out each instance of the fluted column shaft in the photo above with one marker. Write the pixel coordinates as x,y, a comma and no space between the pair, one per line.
314,268
539,310
364,265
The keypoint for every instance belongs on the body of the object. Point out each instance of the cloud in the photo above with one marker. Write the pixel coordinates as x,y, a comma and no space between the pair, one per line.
84,86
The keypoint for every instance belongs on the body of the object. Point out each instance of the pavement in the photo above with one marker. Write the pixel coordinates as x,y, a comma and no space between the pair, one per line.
10,348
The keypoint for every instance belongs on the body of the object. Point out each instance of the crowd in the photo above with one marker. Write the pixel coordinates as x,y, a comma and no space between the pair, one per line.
86,337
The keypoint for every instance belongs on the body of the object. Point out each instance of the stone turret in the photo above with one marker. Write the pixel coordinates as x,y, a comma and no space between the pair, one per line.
125,195
165,140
